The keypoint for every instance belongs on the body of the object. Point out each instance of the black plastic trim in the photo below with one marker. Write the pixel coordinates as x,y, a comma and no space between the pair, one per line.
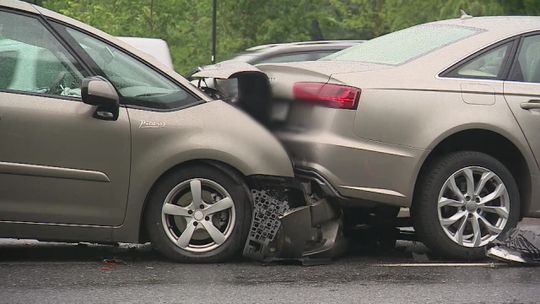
329,190
137,107
77,49
312,175
269,181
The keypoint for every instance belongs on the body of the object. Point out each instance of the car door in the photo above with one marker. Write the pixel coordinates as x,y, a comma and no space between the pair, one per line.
58,164
522,90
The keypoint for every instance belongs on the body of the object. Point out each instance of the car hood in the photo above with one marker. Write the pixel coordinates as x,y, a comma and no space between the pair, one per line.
211,130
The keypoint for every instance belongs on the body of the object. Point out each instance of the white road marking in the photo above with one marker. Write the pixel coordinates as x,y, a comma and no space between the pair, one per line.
492,265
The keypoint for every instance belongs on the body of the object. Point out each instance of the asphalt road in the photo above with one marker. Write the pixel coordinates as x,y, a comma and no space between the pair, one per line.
33,272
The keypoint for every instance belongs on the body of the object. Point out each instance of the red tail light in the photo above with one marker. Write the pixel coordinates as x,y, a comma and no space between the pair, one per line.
328,95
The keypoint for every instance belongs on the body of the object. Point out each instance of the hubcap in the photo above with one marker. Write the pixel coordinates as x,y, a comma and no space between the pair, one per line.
473,206
198,215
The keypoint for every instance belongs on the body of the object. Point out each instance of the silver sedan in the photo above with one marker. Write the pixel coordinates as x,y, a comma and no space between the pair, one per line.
440,117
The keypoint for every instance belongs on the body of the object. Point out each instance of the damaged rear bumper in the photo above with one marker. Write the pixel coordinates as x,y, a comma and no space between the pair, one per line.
289,224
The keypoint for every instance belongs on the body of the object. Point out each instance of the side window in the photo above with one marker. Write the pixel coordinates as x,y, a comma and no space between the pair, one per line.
488,65
33,61
136,83
527,66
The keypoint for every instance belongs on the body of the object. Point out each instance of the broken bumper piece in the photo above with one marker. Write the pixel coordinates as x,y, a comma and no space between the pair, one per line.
521,246
283,228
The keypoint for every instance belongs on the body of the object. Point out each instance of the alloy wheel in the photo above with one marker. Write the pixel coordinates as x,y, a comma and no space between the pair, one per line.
198,215
473,206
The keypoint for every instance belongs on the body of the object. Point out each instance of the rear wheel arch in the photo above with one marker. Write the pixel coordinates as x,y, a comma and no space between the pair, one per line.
488,142
233,172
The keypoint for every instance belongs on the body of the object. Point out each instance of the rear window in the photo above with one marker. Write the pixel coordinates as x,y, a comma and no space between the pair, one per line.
402,46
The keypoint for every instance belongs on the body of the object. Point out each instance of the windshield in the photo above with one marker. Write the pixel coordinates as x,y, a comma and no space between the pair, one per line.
137,83
402,46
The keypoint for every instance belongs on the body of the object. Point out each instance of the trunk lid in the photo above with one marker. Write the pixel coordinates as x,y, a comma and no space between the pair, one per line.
265,91
288,114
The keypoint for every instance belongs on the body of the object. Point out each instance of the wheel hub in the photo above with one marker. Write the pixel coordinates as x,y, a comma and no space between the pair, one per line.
471,206
198,215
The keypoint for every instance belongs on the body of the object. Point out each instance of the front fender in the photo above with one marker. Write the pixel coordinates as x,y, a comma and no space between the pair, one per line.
209,131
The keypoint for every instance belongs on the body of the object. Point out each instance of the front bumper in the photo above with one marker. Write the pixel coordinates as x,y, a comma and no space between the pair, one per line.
287,224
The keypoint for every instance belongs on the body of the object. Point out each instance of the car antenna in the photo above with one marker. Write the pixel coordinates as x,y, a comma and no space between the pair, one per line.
464,15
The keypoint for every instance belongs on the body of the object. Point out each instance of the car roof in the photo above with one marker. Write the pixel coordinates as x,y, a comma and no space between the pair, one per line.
493,30
490,31
499,25
303,44
15,4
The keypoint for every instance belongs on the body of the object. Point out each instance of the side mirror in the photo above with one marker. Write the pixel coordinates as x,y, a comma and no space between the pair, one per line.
97,91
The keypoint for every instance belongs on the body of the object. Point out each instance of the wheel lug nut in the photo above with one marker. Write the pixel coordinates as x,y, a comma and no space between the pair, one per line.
190,212
195,223
207,218
467,198
201,206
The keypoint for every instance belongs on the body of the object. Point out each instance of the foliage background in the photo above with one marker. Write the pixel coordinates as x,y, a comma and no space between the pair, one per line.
186,24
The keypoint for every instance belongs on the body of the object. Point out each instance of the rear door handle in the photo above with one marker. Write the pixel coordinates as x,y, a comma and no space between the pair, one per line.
531,104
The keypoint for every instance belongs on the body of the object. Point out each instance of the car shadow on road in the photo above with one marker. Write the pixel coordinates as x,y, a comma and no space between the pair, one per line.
360,247
31,250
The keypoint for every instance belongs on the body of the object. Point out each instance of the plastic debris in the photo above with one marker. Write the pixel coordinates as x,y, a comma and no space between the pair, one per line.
310,233
268,207
520,246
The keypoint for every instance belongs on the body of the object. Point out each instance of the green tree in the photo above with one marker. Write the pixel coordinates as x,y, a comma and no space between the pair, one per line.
186,24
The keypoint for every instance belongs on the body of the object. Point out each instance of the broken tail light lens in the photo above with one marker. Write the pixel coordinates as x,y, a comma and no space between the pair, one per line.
326,94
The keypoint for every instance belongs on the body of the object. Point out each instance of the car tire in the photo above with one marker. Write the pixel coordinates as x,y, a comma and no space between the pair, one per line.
188,227
460,226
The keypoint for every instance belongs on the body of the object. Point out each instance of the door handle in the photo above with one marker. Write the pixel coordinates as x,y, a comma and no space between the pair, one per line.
531,104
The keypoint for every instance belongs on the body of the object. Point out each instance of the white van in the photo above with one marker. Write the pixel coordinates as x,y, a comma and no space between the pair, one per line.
154,47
